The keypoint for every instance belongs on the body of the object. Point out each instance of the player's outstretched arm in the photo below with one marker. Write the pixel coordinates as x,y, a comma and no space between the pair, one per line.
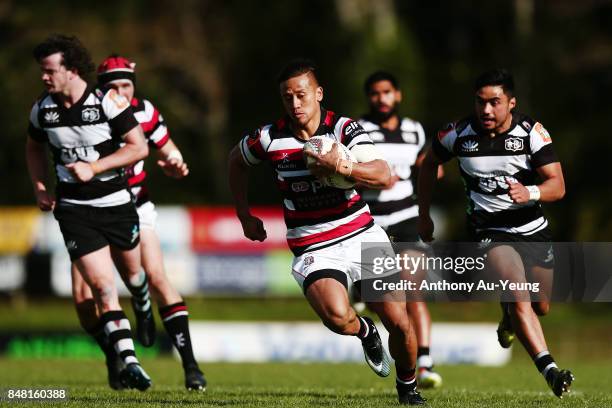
36,158
135,149
171,161
238,173
427,177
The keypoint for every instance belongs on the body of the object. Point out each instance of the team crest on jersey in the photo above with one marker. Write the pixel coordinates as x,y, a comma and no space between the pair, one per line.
90,114
52,117
514,144
469,146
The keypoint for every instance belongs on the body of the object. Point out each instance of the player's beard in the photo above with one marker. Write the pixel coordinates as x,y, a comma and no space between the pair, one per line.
379,116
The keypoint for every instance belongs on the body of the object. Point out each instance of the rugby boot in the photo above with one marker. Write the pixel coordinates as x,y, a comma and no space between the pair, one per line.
134,376
428,378
194,379
114,365
505,333
559,381
408,395
375,354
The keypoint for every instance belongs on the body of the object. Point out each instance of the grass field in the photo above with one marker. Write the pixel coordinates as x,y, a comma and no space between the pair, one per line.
307,385
579,336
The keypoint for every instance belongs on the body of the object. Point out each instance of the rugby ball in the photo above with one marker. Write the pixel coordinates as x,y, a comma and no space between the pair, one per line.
322,145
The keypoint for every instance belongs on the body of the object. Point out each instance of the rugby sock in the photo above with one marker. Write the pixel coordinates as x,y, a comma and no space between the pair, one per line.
97,332
117,329
406,378
424,360
176,321
544,362
364,328
139,288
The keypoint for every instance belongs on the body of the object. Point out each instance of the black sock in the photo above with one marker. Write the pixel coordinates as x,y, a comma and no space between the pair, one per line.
544,362
406,378
176,321
364,328
117,329
97,332
140,293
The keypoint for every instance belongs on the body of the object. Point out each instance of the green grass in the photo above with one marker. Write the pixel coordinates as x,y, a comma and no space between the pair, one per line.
308,385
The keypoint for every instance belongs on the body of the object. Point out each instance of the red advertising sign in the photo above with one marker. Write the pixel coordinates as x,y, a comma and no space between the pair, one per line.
217,229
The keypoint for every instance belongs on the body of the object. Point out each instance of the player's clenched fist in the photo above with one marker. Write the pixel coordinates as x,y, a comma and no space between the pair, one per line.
517,192
253,228
82,171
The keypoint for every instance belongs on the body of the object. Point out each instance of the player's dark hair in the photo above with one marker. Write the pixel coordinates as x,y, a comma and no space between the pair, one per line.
496,77
74,54
298,67
377,77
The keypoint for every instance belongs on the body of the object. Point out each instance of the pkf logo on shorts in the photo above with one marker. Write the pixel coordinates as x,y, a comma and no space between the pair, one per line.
309,260
90,114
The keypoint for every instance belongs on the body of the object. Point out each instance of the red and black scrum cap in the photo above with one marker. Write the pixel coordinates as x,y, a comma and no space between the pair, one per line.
114,68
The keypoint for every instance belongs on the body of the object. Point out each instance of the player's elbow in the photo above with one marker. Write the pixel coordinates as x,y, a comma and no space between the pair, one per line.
142,151
384,179
560,192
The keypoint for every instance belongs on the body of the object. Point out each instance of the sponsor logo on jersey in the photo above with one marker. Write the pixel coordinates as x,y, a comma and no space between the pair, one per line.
543,133
90,114
469,146
300,186
514,144
353,127
52,117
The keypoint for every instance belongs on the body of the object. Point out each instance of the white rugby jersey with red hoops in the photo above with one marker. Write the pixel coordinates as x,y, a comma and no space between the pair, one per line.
157,136
317,216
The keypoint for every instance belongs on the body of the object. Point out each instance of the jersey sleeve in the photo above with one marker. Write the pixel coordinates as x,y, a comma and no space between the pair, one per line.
540,144
119,113
254,145
154,126
352,133
423,142
442,145
34,129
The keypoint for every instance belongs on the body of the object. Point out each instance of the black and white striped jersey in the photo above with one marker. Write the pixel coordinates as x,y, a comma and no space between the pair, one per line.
488,163
401,149
90,129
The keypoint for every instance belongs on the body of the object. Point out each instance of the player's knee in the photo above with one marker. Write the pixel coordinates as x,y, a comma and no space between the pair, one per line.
337,320
541,308
520,308
157,279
